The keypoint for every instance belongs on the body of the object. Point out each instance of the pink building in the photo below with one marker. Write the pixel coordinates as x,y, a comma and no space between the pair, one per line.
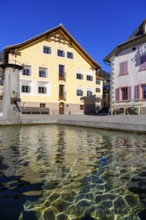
128,74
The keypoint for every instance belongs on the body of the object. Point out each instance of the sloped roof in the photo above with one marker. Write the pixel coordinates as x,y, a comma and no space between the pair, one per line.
138,36
103,74
99,77
48,33
139,30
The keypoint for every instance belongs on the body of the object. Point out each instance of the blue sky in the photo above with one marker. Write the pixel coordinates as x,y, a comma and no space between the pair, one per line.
97,25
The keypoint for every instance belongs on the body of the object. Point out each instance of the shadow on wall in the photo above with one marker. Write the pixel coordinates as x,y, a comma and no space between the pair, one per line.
139,51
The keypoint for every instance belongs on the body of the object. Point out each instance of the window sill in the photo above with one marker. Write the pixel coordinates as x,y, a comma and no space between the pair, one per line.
140,70
123,74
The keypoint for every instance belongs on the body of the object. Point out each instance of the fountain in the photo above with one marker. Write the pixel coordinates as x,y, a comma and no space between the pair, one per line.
11,97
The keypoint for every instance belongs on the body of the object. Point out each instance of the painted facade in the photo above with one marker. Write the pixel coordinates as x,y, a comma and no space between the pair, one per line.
57,72
128,73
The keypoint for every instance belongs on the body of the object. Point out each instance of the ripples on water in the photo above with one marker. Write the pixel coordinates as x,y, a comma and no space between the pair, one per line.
69,173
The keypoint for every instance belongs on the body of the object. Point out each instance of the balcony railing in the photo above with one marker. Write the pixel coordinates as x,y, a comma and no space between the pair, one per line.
62,76
62,96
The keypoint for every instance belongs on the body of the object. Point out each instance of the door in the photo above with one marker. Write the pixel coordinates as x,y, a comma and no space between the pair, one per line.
61,108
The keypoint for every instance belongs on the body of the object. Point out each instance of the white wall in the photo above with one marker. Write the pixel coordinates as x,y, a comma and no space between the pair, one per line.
134,77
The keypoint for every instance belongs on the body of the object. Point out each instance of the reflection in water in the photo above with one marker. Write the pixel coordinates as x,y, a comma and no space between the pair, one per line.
61,172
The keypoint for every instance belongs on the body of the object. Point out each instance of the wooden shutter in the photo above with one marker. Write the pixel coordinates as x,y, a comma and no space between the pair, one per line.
123,68
45,90
137,92
143,62
129,93
29,88
117,94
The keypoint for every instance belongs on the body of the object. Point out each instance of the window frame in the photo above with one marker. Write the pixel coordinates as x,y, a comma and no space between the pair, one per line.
60,53
121,95
69,53
27,68
98,82
81,107
89,93
142,63
143,91
123,68
99,90
124,94
47,50
42,105
43,72
79,76
89,77
43,90
79,92
25,89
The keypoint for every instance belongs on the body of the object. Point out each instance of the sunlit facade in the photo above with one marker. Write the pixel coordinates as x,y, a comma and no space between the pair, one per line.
57,72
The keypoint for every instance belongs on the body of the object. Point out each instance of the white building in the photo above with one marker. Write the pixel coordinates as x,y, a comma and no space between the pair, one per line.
128,73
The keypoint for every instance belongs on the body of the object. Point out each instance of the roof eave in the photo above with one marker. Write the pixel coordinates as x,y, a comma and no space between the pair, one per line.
124,45
17,46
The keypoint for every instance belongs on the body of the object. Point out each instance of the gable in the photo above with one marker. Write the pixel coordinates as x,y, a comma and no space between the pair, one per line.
59,37
58,34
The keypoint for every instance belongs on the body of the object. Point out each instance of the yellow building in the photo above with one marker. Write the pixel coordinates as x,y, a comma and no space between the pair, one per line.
57,72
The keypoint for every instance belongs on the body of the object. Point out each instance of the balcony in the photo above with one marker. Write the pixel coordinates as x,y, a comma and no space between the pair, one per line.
62,76
62,96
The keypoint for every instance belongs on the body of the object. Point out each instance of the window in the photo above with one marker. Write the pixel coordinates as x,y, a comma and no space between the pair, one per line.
47,50
60,53
79,92
42,105
42,72
123,68
124,93
98,81
81,107
61,69
79,76
25,89
69,55
89,93
89,78
143,62
97,89
136,91
143,91
62,93
42,89
26,71
62,72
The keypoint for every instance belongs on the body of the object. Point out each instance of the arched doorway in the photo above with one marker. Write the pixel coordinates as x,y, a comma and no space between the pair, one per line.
61,108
